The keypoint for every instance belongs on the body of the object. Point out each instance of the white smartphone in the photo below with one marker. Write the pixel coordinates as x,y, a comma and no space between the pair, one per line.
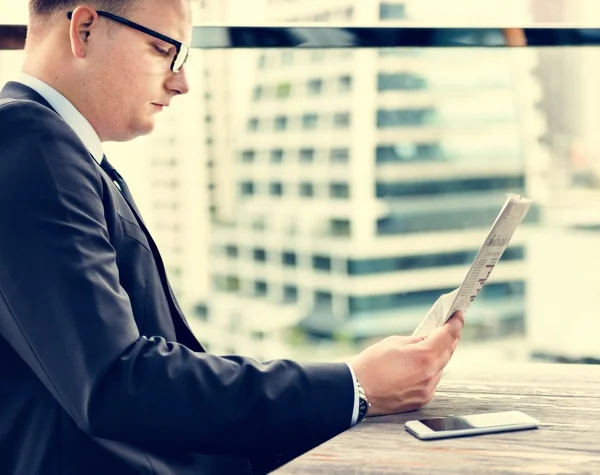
474,424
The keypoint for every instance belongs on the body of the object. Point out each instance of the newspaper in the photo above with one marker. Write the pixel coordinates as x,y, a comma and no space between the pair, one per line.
511,215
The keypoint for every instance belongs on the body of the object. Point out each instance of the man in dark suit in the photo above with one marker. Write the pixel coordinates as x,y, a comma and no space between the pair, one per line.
100,372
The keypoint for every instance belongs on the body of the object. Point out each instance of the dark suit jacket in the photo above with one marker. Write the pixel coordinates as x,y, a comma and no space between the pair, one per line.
99,372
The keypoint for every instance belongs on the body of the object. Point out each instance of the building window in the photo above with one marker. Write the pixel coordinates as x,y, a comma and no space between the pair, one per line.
441,220
290,294
345,83
258,336
281,122
400,300
276,156
231,251
322,263
248,156
323,299
400,82
503,289
341,120
339,190
309,121
423,298
259,255
289,259
404,117
392,11
247,188
339,155
514,184
307,190
314,87
201,312
409,152
260,288
340,227
424,261
253,124
307,155
258,93
228,283
284,90
276,189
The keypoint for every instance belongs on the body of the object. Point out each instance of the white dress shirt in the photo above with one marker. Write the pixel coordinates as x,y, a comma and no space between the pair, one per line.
68,112
90,139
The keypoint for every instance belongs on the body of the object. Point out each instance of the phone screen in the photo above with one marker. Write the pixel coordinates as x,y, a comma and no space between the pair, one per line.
439,424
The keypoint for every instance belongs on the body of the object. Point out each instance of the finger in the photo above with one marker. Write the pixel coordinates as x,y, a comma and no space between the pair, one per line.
457,314
443,337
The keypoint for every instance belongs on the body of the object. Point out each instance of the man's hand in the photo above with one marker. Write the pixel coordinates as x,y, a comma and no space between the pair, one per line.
401,374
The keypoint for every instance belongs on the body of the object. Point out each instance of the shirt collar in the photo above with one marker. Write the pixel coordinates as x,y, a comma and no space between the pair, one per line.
68,112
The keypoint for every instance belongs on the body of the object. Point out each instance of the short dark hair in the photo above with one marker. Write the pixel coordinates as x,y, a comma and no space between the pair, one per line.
48,7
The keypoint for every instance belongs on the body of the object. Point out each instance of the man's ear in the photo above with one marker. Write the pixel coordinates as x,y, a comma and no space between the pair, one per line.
83,21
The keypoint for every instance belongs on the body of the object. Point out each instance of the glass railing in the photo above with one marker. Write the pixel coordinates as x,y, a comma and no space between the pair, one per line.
321,185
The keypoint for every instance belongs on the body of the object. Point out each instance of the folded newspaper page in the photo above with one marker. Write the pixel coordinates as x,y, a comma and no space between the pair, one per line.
511,215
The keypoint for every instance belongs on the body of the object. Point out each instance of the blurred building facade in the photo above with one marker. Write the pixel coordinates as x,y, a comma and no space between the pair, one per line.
361,183
564,297
365,181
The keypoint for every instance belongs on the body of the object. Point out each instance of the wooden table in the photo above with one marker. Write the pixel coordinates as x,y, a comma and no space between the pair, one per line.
564,398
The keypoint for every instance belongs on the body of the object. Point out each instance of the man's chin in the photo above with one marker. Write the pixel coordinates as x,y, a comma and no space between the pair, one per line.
145,128
133,133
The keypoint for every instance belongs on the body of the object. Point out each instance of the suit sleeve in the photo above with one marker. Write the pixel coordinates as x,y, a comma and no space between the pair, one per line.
63,311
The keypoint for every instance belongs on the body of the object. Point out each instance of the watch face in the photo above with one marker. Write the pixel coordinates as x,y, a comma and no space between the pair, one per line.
363,406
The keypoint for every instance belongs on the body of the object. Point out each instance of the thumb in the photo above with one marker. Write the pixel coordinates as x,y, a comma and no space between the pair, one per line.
445,335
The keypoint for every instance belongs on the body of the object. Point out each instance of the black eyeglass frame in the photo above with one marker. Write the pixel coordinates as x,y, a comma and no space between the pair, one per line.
181,48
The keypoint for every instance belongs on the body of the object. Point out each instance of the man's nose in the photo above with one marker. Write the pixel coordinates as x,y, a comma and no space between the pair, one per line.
178,83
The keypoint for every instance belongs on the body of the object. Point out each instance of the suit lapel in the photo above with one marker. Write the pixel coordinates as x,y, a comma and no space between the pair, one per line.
182,328
15,90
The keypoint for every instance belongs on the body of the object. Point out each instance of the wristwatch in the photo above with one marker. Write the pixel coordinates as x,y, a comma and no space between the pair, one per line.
363,403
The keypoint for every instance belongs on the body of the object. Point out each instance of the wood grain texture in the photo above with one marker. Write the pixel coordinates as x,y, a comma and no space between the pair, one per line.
564,398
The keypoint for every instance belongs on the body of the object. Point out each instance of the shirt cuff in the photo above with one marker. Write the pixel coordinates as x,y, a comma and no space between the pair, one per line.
356,397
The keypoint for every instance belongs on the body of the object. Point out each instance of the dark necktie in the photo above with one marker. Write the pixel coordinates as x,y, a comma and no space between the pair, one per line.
116,177
182,328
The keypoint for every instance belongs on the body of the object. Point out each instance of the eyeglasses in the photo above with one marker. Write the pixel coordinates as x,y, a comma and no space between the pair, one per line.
183,50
